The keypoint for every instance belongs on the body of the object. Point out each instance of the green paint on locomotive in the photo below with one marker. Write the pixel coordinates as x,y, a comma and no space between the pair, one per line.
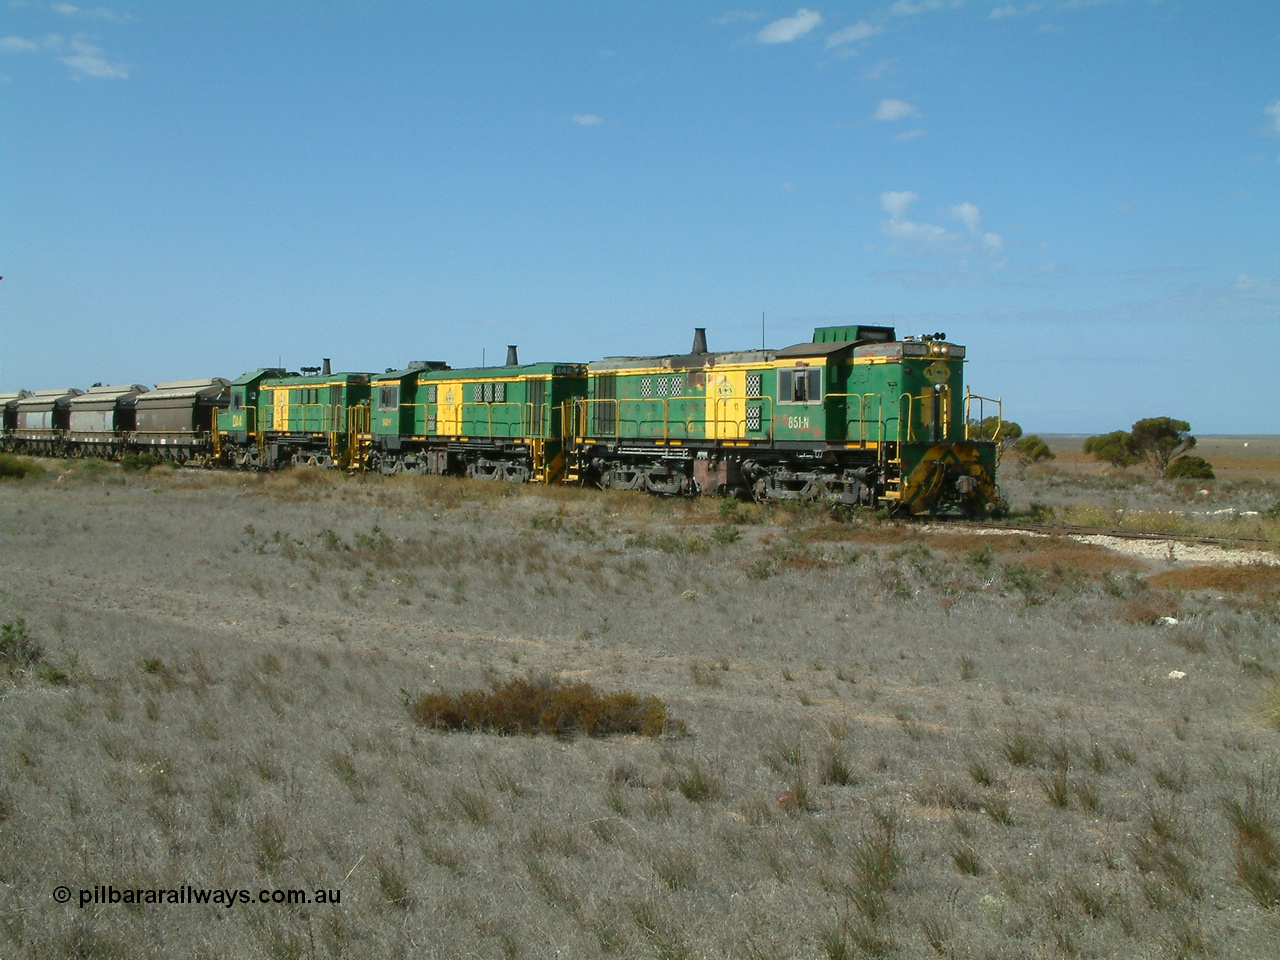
275,417
240,418
515,402
319,404
505,422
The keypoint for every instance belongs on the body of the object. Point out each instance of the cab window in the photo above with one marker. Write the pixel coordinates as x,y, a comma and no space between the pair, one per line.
801,385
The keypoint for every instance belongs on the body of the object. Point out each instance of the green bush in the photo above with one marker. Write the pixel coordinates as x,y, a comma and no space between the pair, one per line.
139,461
1033,449
1155,440
1189,467
528,707
1115,448
18,650
989,428
18,468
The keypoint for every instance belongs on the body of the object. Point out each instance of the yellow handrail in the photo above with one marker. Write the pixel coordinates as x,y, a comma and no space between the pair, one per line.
969,421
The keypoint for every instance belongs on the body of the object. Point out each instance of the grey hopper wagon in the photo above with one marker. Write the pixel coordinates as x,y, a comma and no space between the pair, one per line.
176,419
9,410
100,418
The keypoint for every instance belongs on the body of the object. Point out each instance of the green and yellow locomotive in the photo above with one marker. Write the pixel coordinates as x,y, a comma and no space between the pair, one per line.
312,418
854,417
498,423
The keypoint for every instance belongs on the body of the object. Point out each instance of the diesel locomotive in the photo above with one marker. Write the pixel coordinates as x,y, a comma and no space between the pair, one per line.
856,416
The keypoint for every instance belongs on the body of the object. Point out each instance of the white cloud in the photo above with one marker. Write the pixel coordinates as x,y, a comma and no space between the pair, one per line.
1273,112
909,135
96,13
895,110
859,31
931,240
895,202
908,8
1266,286
18,45
587,120
872,74
790,28
969,214
88,61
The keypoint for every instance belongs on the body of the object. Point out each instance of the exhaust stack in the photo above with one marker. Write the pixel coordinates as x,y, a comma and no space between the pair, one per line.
512,359
326,369
699,340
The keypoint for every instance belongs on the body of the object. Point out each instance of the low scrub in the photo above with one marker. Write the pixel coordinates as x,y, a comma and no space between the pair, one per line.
18,650
18,468
528,707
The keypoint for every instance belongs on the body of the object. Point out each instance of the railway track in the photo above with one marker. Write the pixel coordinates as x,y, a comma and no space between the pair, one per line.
1064,530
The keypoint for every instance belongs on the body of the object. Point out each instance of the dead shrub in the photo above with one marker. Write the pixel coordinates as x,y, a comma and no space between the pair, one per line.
1253,578
527,706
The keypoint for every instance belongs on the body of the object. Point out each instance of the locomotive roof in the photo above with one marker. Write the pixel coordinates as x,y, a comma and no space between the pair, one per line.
318,379
253,375
489,373
682,361
688,360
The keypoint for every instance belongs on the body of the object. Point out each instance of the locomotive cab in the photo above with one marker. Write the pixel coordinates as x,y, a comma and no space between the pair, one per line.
932,464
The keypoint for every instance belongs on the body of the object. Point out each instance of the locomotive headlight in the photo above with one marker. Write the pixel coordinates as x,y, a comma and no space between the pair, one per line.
935,348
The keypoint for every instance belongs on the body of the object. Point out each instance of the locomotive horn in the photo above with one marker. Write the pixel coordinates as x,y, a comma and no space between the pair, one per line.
512,359
699,340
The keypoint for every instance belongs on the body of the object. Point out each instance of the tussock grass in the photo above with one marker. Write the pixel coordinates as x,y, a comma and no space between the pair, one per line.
1255,823
1269,704
526,706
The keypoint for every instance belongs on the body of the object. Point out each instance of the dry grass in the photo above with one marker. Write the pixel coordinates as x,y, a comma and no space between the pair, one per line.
900,743
1257,579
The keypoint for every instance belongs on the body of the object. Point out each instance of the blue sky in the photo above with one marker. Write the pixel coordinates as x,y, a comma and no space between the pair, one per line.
1086,194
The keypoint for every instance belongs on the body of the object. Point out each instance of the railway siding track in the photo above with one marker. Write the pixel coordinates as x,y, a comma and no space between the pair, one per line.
1179,548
